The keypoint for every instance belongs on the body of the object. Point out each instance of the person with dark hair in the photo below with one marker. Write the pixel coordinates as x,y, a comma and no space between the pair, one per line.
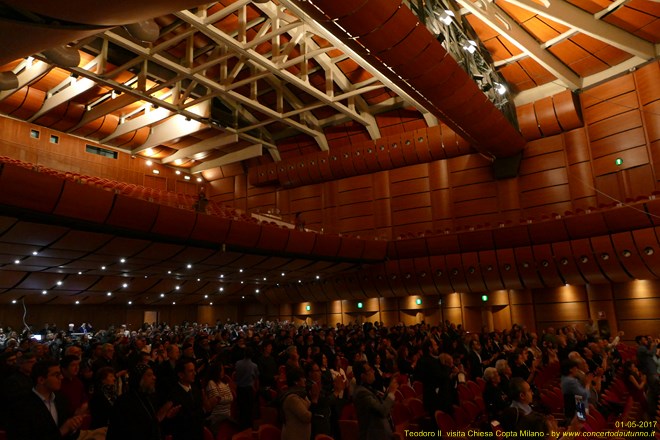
103,398
372,407
521,396
188,423
296,406
571,386
19,383
429,371
219,395
73,389
166,374
646,349
247,374
636,383
133,416
267,371
41,414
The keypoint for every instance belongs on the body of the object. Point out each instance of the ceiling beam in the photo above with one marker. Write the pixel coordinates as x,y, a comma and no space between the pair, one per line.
499,21
175,127
151,116
263,62
211,84
76,87
246,153
568,15
27,71
213,143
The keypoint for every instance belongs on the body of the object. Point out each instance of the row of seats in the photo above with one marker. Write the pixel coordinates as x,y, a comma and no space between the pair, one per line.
162,197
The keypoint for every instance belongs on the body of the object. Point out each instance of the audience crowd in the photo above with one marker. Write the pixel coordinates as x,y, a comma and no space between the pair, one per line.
162,382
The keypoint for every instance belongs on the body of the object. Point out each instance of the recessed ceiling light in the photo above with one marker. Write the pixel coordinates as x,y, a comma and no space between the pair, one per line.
169,272
162,295
206,296
222,289
264,278
123,260
177,287
59,283
199,279
282,274
13,301
177,172
241,282
222,276
256,290
149,163
109,293
125,285
35,253
17,261
173,303
130,302
211,303
199,179
186,177
149,152
79,272
189,266
178,162
240,270
43,292
102,267
318,277
243,296
77,302
300,281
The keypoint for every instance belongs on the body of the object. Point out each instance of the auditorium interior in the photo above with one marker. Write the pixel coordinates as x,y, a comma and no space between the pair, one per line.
483,162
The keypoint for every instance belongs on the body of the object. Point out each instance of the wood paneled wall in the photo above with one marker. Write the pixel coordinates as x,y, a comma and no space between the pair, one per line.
102,316
631,307
572,170
69,155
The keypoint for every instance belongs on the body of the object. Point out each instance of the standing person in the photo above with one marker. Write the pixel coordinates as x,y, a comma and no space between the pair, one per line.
73,389
373,408
41,414
188,423
429,371
247,374
133,416
571,386
219,395
166,376
103,398
296,406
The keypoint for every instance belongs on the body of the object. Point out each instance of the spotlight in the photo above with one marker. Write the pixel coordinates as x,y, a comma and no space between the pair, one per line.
470,46
445,16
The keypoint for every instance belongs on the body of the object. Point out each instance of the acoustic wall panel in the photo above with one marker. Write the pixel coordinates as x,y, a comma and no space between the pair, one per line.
629,256
567,263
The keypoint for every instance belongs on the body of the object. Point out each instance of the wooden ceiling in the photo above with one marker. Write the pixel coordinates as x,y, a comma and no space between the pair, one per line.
255,82
247,81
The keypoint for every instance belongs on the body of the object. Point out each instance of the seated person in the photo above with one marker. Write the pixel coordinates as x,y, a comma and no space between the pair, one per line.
494,399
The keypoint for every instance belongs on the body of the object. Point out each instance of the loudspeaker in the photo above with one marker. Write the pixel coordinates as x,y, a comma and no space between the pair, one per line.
507,167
